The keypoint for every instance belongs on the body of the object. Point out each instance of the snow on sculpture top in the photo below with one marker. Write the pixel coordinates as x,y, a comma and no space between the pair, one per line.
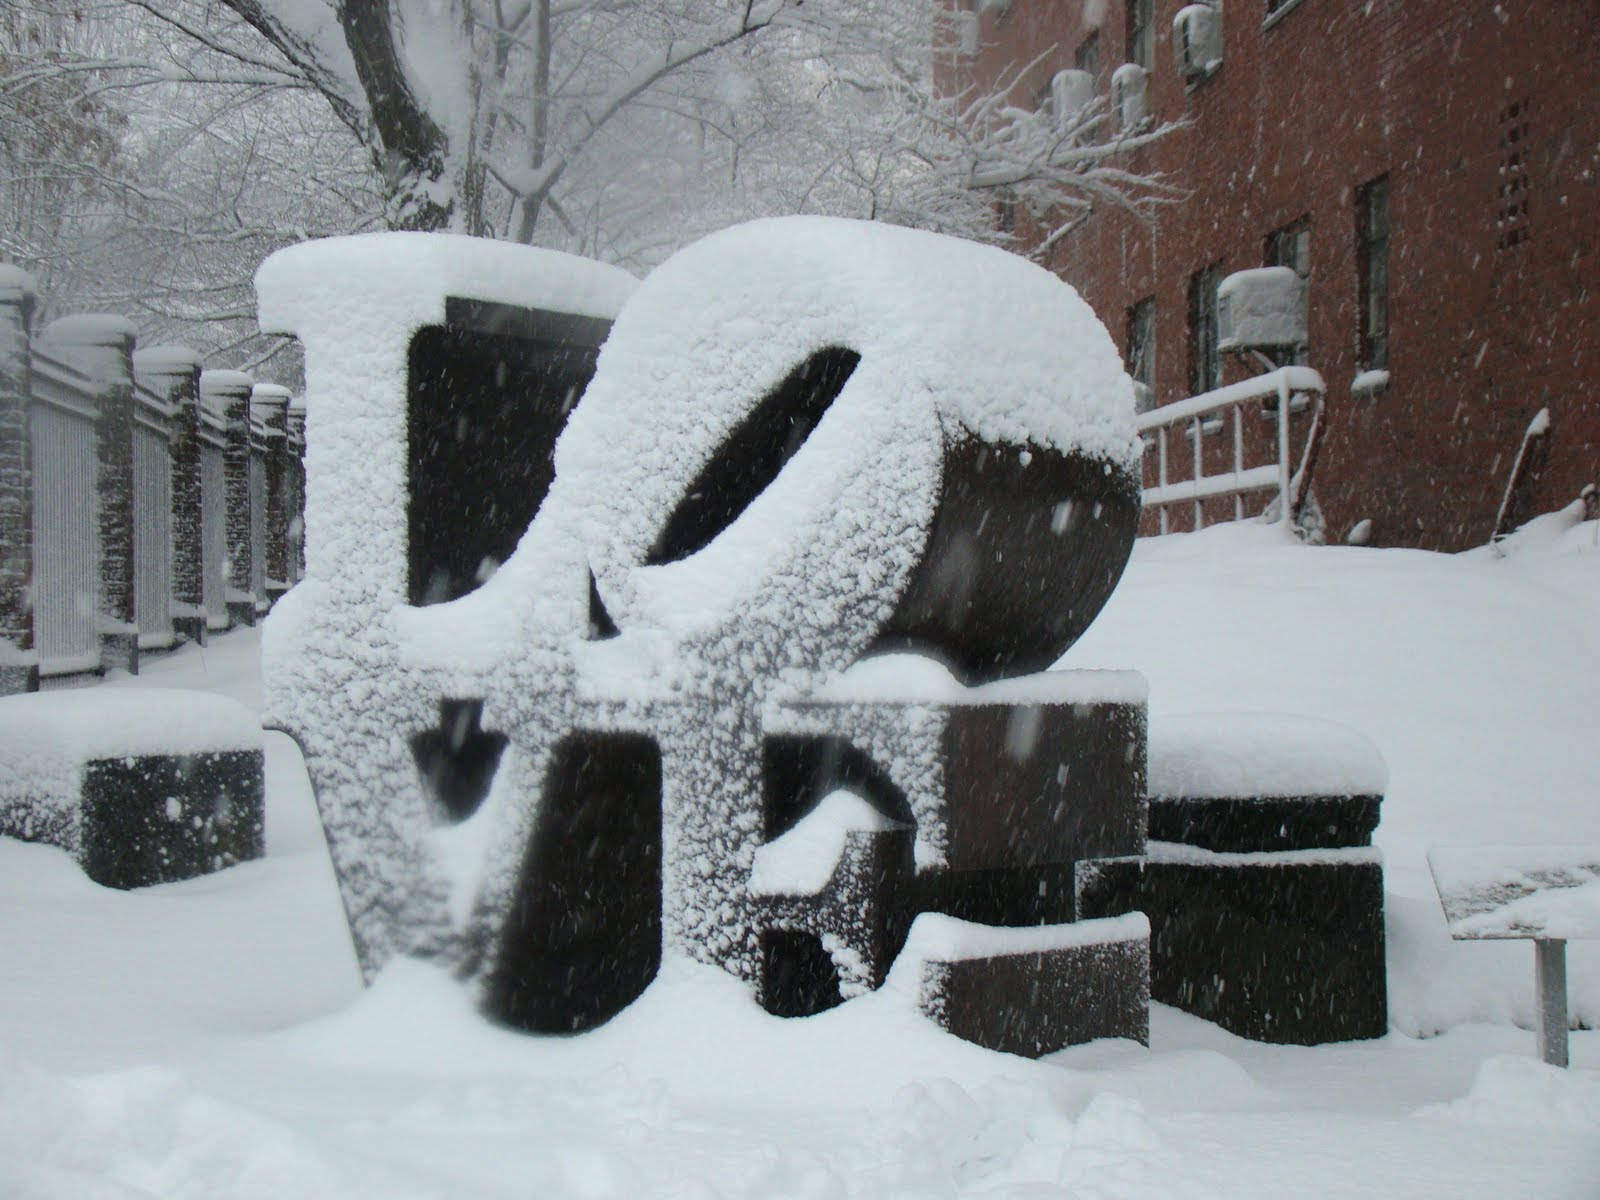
1219,755
933,342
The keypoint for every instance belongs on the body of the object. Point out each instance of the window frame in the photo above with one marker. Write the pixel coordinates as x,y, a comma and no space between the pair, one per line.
1296,238
1140,347
1140,46
1372,272
1087,55
1205,359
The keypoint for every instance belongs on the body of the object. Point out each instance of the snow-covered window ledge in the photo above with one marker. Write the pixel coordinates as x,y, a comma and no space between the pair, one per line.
1278,14
1369,385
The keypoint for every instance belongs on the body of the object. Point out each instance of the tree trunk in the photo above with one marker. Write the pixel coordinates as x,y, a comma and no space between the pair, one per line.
410,148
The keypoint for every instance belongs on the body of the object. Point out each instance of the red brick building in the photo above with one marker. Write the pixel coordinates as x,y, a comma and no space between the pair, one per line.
1431,166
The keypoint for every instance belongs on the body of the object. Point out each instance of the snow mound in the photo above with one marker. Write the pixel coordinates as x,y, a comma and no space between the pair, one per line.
1525,1091
1220,755
142,1133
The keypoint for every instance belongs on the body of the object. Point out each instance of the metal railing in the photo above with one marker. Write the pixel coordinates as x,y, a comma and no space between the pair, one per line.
1155,428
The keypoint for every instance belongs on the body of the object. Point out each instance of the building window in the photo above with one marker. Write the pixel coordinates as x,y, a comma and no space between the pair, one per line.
1291,247
1142,353
1205,360
1141,33
1087,57
1372,260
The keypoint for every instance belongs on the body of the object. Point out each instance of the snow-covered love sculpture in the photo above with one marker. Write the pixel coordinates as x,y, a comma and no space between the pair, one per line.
741,656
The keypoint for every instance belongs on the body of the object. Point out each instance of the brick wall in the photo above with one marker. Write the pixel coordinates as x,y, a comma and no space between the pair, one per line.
1490,319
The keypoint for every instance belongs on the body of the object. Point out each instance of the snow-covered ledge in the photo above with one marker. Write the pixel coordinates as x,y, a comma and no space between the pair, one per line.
1369,385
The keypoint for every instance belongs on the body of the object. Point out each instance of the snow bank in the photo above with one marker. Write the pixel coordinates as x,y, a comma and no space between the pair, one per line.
1221,755
142,1133
1526,1092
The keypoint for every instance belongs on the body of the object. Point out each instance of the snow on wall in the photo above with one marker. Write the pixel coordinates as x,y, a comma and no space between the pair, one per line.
957,343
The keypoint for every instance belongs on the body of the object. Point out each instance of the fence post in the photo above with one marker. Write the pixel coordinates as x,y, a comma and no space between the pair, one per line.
271,402
19,665
173,372
297,489
229,394
101,345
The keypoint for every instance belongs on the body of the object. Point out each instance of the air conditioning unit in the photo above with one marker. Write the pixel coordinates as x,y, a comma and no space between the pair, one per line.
1130,85
967,33
1197,40
1262,309
1070,93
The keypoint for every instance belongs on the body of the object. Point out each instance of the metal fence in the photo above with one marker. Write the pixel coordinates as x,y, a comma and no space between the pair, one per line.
115,508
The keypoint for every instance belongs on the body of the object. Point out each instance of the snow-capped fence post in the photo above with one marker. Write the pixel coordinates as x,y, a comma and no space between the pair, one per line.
260,447
19,666
173,372
101,345
229,394
271,403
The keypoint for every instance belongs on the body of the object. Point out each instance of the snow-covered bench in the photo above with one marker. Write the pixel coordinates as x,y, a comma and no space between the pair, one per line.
1264,893
140,785
1548,894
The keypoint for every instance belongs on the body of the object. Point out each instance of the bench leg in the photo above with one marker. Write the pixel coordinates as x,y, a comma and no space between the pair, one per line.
1550,986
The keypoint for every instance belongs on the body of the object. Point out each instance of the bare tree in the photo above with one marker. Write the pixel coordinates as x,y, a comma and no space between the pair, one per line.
150,173
615,127
153,151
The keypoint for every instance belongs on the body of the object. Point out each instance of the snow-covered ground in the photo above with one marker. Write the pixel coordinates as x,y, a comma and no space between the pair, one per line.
211,1038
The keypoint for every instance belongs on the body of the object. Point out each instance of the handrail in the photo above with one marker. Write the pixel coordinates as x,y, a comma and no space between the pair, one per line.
1283,383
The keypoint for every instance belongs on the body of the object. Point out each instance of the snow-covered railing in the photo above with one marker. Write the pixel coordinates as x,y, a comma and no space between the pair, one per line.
113,505
1156,427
